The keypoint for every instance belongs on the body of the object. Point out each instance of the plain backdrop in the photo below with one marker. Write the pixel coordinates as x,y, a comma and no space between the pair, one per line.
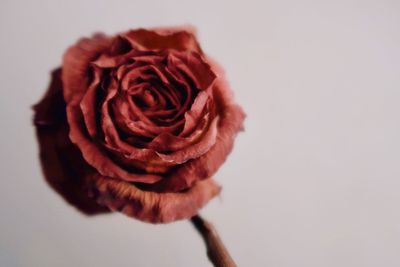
313,181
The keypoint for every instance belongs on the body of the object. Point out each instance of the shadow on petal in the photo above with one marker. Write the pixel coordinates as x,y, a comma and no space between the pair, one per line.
62,164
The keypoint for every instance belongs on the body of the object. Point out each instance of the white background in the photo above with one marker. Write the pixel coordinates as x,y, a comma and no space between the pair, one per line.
314,180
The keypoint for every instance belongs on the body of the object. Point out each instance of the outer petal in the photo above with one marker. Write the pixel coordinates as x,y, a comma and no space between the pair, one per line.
62,165
76,64
163,38
151,206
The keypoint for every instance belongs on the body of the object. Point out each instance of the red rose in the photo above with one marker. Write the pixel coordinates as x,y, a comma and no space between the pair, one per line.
138,123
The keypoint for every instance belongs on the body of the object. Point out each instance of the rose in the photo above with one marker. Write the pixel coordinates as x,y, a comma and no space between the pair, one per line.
137,123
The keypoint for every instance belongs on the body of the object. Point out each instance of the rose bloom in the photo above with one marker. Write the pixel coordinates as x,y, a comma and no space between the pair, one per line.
137,123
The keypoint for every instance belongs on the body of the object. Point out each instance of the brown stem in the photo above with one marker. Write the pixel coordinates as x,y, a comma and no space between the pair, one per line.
216,251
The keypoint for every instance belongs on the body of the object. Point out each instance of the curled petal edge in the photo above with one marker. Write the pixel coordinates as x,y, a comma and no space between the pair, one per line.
151,206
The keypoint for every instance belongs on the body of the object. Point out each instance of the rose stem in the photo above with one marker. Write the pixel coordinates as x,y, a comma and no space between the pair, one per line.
216,251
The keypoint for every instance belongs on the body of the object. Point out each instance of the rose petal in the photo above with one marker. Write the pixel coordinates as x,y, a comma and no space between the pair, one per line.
167,142
193,116
151,206
195,150
143,39
76,62
63,167
88,104
179,149
194,66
